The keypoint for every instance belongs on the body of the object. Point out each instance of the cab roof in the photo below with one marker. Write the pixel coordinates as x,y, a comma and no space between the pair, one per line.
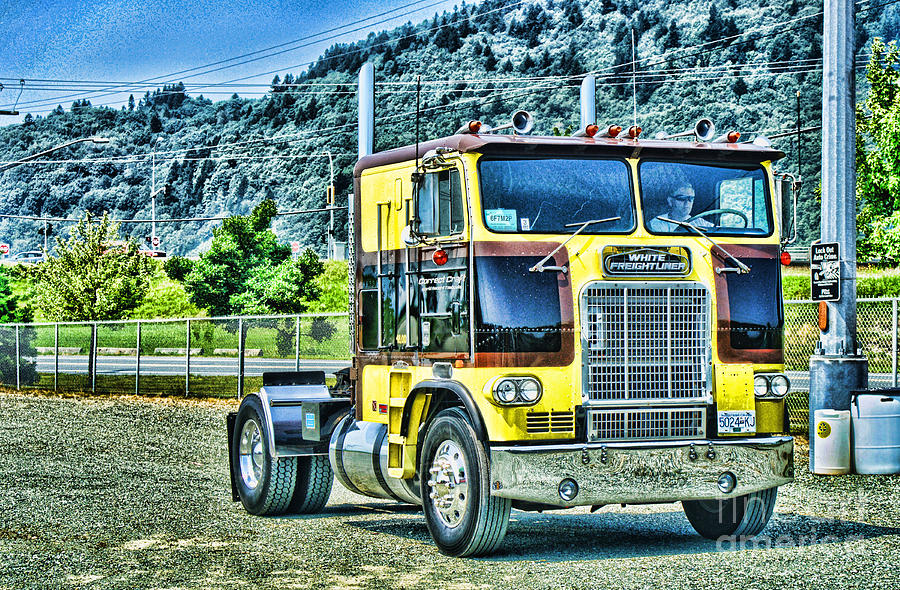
529,146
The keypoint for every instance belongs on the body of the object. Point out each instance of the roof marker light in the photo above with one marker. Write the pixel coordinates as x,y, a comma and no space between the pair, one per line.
590,130
470,127
634,131
733,136
613,130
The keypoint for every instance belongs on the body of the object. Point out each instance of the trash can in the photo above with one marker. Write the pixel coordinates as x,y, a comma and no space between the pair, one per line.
876,430
832,442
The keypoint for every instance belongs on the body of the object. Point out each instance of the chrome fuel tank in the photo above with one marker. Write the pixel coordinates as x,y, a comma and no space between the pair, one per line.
358,455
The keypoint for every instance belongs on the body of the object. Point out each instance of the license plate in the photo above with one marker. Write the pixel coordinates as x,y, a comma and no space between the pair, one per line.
737,422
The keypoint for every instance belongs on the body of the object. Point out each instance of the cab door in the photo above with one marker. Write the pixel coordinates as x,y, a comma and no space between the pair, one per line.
439,270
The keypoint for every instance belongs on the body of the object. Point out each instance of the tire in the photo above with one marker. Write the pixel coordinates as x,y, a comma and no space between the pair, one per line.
462,516
744,516
265,485
313,485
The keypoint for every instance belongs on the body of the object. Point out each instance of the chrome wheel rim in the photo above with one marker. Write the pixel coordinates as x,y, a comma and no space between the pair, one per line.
251,454
449,484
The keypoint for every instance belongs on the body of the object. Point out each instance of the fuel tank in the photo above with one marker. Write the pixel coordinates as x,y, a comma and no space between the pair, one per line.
358,455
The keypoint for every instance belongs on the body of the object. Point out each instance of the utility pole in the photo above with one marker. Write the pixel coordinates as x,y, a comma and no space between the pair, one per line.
153,201
330,204
838,365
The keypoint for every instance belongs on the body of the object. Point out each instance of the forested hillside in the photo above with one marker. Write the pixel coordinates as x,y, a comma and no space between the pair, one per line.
482,61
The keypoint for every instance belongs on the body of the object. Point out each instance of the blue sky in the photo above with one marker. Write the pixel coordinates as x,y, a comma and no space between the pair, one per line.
132,40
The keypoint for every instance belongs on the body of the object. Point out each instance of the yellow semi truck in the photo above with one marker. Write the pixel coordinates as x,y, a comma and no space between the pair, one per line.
541,323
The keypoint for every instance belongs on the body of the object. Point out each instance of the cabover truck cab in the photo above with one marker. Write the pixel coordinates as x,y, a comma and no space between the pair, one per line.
543,323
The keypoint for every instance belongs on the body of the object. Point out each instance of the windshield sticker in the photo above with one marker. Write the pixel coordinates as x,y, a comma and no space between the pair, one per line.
501,219
526,224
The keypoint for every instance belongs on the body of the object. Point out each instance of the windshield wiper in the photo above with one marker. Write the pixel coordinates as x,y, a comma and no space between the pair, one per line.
741,267
539,267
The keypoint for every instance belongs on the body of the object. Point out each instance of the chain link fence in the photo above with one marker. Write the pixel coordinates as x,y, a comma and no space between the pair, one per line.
206,357
202,357
877,331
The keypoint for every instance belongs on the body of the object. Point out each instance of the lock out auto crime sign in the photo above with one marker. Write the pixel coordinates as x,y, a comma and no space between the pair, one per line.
630,261
825,272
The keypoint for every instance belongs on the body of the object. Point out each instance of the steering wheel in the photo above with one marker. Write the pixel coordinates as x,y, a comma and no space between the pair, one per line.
702,214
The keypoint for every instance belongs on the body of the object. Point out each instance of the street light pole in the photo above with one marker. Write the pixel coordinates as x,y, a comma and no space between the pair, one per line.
98,140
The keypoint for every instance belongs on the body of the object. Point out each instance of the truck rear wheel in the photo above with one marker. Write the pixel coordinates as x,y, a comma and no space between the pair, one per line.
313,487
744,516
265,485
462,516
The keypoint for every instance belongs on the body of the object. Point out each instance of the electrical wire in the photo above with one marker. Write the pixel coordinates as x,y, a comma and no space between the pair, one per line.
157,79
166,220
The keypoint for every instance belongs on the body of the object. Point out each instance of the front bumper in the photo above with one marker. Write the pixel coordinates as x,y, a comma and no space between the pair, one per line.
640,472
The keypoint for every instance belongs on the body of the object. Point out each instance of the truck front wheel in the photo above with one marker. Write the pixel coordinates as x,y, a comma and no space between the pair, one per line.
462,516
743,516
265,485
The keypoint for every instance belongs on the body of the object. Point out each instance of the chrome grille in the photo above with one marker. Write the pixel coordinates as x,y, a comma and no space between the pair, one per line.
646,423
544,422
645,344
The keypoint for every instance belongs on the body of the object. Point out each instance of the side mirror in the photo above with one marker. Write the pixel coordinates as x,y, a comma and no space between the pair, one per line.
787,188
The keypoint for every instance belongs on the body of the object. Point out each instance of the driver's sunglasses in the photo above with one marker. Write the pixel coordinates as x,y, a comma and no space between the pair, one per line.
683,198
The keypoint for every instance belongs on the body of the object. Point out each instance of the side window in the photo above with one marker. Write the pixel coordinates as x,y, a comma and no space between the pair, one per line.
439,201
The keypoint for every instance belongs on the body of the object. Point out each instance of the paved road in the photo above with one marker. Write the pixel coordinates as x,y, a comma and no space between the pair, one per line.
224,366
174,365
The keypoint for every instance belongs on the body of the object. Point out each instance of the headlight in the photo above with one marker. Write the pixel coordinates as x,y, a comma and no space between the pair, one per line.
771,385
529,390
780,385
760,386
505,391
517,391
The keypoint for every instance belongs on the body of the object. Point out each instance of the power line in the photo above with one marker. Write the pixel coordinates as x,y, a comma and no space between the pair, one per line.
166,220
320,59
157,79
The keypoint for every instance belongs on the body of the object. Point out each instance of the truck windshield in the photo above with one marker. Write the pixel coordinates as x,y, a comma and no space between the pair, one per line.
732,200
542,196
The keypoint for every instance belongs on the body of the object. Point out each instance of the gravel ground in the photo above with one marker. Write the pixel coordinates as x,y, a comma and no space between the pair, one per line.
134,493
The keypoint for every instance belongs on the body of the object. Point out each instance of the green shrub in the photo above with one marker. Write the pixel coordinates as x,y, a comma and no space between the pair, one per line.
165,299
875,285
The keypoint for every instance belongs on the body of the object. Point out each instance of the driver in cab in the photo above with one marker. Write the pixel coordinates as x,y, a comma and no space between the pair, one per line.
680,202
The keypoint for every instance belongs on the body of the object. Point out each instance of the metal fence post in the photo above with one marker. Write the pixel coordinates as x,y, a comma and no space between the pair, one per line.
187,358
56,357
137,360
240,358
93,356
894,344
18,385
297,346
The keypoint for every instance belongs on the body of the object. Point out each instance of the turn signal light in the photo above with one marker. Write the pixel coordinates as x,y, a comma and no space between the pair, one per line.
439,257
786,258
